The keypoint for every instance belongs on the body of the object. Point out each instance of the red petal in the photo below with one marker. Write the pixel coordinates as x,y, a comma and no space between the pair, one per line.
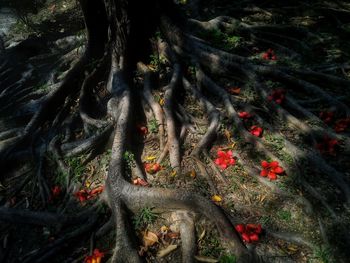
223,166
232,161
263,173
254,237
221,154
274,164
245,237
258,229
240,228
272,176
278,101
265,164
278,170
244,115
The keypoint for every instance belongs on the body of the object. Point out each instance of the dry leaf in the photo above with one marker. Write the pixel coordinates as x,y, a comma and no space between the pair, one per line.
216,198
206,259
292,248
150,158
165,251
227,134
164,229
149,239
193,174
201,235
173,235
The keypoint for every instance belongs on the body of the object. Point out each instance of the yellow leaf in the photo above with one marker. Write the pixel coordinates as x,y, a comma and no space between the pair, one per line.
216,198
193,174
150,158
173,173
149,238
164,229
227,134
88,183
161,102
205,259
163,252
201,236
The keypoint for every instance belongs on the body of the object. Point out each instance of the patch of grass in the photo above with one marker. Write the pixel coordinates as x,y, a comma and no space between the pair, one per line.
324,254
145,217
129,158
153,126
265,220
275,143
284,215
228,259
222,40
157,61
212,247
42,87
76,166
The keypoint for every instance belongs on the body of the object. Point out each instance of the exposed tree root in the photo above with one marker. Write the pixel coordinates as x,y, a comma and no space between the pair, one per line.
76,117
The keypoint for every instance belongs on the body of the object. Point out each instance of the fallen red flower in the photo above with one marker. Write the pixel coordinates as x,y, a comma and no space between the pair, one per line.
271,169
139,181
143,130
277,96
96,257
269,55
244,115
84,194
152,168
341,125
256,131
250,232
56,191
224,159
234,90
326,116
96,191
327,146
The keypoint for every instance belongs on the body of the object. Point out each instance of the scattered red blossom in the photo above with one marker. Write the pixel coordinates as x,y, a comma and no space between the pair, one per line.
85,194
327,146
224,159
244,115
341,125
143,130
152,168
271,169
139,181
277,96
256,131
250,232
269,55
96,257
234,90
326,116
56,191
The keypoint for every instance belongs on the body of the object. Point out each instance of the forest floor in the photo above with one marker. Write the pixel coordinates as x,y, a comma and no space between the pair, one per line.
303,213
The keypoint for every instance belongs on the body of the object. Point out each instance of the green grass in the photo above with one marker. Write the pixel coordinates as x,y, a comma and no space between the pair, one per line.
212,247
153,126
145,217
284,215
228,259
76,166
129,158
324,254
